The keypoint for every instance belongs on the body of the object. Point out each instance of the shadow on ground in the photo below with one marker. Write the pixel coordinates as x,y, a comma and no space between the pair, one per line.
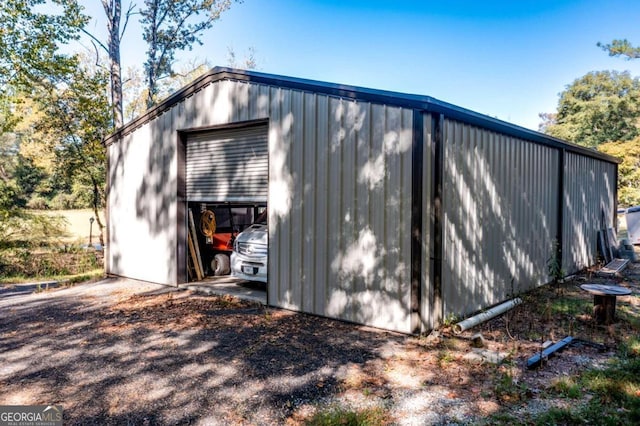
168,357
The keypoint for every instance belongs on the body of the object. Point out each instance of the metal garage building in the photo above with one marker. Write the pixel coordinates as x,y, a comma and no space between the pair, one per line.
385,209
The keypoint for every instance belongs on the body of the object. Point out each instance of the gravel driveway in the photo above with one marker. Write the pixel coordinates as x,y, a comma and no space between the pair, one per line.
125,352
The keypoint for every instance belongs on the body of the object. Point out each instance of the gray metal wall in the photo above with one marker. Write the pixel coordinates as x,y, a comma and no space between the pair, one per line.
339,208
339,198
228,164
429,301
588,202
500,216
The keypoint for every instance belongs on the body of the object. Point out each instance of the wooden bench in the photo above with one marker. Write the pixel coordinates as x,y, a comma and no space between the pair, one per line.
604,300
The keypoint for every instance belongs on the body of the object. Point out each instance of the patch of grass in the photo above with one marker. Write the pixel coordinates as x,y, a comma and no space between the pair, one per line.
628,315
93,274
570,306
618,385
337,416
47,262
630,347
559,416
615,394
567,387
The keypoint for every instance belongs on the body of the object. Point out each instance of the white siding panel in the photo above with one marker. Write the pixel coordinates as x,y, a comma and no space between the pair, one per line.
142,204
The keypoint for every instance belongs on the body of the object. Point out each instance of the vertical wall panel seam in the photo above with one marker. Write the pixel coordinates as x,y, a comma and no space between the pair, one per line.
417,170
301,180
558,253
437,142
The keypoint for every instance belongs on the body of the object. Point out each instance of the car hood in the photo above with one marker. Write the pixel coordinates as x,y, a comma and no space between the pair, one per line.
256,234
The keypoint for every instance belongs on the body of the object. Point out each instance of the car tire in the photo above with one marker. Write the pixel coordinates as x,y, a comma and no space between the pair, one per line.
220,265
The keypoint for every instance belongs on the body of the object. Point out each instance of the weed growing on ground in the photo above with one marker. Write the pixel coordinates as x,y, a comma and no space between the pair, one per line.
507,388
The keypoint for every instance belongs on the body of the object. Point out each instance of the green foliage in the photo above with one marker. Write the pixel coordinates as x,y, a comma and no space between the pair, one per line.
508,389
599,107
76,118
628,170
34,77
337,416
567,387
21,228
621,48
30,42
24,263
554,265
559,416
170,26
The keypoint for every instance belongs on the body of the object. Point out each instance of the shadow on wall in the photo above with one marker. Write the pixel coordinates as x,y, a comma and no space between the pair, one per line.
588,203
500,218
156,194
344,193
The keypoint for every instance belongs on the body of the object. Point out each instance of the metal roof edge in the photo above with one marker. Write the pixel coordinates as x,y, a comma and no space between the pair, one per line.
422,102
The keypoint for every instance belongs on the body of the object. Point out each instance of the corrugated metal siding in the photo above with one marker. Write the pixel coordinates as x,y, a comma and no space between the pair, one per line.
142,204
588,202
228,165
340,197
500,216
340,201
427,297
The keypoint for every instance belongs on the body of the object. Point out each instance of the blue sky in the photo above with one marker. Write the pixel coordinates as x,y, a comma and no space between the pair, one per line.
506,59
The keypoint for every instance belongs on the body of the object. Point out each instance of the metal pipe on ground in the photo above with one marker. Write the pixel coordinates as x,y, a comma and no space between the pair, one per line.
486,315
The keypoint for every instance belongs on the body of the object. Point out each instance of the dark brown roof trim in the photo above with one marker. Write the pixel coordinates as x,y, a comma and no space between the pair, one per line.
419,102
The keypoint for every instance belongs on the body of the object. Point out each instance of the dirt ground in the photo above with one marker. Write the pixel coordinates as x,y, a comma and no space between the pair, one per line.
123,352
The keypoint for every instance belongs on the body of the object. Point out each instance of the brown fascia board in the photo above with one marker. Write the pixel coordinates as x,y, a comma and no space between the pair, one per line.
418,102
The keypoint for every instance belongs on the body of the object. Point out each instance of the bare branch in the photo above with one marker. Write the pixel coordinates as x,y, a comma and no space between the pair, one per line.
92,37
127,15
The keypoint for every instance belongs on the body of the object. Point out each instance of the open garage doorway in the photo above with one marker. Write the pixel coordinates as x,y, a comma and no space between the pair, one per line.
226,177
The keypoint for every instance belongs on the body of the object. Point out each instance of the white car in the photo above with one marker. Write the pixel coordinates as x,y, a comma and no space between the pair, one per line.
249,256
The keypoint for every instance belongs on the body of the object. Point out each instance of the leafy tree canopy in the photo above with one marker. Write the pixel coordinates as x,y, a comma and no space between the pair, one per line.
170,26
30,40
622,48
628,170
600,107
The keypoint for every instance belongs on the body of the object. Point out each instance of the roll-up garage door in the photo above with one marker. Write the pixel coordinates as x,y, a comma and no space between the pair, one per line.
228,165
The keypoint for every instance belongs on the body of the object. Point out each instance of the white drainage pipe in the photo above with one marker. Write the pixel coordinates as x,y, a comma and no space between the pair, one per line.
486,315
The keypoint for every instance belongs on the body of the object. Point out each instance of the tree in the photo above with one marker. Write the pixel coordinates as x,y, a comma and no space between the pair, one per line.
621,48
170,26
136,92
601,106
628,170
113,13
30,41
79,116
249,62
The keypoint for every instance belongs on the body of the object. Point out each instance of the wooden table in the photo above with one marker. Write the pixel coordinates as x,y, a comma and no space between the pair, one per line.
604,300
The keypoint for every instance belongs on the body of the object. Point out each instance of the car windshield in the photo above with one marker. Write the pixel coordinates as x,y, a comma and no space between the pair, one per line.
262,218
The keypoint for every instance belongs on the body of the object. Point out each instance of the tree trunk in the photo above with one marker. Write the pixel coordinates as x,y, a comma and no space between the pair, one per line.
113,10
